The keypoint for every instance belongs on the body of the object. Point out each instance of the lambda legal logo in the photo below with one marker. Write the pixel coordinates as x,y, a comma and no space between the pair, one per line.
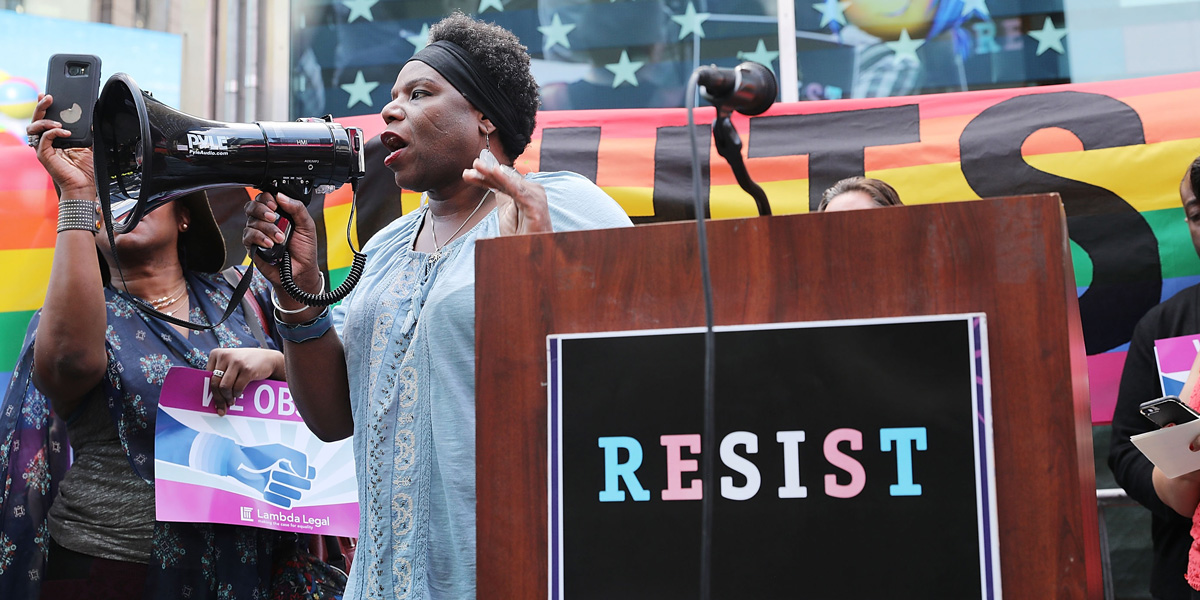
248,513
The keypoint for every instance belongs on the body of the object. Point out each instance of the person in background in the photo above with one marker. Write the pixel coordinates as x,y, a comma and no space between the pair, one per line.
394,364
1182,493
1171,502
855,193
94,357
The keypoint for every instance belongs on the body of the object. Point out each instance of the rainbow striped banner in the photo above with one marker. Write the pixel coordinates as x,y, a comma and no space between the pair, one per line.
28,218
1115,151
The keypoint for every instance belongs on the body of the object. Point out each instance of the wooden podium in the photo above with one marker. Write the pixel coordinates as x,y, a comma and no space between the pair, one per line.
1007,257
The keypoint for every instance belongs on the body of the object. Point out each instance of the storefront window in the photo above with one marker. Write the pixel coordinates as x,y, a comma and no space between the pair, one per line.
879,48
624,54
639,53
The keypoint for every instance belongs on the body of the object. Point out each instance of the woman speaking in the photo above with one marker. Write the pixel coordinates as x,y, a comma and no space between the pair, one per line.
398,370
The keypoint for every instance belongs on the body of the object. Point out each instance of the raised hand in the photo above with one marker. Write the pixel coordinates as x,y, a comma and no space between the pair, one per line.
522,204
70,168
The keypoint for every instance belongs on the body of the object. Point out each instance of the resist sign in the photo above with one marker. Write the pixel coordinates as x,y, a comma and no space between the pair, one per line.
842,448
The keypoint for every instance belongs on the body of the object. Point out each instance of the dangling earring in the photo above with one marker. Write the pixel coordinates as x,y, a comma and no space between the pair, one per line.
486,155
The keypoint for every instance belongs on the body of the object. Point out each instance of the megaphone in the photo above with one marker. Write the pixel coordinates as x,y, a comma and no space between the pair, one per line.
148,154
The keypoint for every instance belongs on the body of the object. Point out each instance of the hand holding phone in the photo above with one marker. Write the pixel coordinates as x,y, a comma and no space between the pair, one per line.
1168,411
73,80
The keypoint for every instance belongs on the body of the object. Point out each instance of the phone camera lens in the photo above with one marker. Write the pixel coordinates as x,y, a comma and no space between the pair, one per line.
76,70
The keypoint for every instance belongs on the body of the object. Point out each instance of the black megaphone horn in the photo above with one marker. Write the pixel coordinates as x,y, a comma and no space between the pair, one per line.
149,153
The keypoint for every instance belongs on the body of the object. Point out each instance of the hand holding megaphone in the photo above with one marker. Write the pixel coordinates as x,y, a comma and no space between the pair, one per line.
263,230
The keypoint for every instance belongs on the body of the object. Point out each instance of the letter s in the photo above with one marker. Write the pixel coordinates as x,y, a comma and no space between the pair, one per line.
1127,272
741,465
858,476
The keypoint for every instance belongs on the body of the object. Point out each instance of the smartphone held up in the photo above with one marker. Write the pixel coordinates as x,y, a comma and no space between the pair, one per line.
73,80
1168,411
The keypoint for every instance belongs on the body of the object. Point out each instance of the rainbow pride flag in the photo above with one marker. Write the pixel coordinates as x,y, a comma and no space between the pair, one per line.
1115,151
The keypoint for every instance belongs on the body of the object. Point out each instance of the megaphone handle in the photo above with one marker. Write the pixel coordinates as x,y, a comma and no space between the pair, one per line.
301,190
275,253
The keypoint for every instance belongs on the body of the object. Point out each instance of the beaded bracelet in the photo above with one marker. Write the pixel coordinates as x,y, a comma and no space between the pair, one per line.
298,333
77,214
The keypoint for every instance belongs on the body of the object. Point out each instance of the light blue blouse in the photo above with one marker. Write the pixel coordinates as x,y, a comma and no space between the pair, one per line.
409,333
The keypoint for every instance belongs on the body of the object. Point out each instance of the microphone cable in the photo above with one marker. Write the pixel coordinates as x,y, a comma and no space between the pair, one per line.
708,435
357,266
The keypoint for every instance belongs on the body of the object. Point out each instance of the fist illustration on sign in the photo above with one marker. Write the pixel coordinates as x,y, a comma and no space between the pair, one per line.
279,472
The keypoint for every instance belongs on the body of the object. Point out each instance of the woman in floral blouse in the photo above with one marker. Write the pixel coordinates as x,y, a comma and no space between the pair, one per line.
95,359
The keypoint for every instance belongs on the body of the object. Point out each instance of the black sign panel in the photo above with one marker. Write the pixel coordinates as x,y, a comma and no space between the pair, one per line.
853,462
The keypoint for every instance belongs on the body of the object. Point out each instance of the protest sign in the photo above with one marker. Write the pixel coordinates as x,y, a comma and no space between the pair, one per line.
258,465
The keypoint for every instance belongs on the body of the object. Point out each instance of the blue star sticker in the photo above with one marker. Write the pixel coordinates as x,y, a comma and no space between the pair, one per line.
556,32
360,90
832,11
975,6
760,55
906,47
1049,38
420,39
360,8
625,70
485,4
690,21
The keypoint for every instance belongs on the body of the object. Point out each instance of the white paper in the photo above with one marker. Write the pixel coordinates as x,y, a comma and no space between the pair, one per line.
1168,448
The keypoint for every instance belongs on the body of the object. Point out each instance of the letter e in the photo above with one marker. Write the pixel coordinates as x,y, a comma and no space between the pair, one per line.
677,465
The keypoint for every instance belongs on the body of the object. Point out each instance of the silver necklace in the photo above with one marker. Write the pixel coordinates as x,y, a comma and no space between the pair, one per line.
437,248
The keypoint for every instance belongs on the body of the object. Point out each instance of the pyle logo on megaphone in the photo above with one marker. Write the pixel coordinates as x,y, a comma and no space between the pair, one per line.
209,145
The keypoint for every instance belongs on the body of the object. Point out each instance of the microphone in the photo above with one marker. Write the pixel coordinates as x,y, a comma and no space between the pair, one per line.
748,88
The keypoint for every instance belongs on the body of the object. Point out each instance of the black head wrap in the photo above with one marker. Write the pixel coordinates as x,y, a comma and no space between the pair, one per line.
476,84
1194,176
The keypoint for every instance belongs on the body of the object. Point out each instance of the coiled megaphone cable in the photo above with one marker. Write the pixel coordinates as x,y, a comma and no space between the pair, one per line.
357,265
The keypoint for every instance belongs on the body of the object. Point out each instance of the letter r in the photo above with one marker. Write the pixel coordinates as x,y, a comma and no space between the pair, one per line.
615,471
